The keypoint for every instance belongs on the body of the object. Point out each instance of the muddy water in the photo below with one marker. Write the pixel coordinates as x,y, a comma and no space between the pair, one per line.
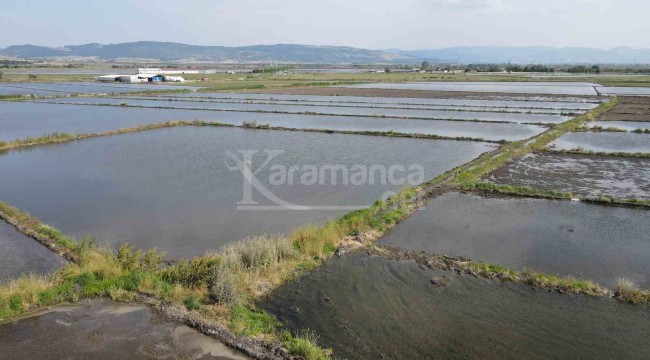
609,142
103,330
586,175
20,120
593,242
367,308
172,188
20,255
559,88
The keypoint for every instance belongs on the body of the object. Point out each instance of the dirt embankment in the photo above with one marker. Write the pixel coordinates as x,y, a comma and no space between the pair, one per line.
629,108
422,94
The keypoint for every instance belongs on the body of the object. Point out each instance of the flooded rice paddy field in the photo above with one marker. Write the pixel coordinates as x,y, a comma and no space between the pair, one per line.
623,125
25,119
565,238
387,101
103,330
552,88
306,104
586,175
20,255
62,88
614,90
430,94
370,307
173,189
329,110
603,142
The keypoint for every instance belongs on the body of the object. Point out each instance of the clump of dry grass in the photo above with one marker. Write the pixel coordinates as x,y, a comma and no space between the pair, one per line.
313,241
20,295
627,290
245,265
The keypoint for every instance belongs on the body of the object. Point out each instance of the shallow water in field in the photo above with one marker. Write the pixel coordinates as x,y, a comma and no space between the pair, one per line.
632,90
20,120
608,142
63,88
21,255
625,125
307,104
104,330
459,101
329,110
586,241
586,175
367,308
172,188
557,88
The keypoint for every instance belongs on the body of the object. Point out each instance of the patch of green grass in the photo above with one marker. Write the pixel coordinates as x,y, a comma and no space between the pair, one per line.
192,302
244,321
514,190
305,344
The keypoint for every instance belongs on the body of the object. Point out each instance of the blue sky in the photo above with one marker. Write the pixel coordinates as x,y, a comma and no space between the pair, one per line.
407,24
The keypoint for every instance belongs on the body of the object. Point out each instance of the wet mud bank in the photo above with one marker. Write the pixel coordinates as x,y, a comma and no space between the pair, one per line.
585,175
101,329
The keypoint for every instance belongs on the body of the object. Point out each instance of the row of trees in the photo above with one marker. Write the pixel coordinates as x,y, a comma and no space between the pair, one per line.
581,69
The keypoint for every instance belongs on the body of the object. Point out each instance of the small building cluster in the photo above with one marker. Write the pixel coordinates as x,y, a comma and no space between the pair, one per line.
153,75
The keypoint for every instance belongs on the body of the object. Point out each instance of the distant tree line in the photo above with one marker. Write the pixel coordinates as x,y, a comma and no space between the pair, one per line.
530,68
581,69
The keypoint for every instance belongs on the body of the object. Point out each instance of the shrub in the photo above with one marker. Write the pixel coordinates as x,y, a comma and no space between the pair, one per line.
223,288
192,302
194,273
131,260
255,253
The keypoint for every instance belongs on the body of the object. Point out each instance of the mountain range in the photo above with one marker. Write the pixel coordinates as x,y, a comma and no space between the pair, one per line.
291,53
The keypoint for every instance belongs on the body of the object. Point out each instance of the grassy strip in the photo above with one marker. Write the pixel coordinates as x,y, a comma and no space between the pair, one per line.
582,151
514,190
600,129
544,139
32,227
475,170
63,137
255,125
511,190
625,290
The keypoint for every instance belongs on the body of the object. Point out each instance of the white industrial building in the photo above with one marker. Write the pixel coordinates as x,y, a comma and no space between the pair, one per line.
153,75
140,78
